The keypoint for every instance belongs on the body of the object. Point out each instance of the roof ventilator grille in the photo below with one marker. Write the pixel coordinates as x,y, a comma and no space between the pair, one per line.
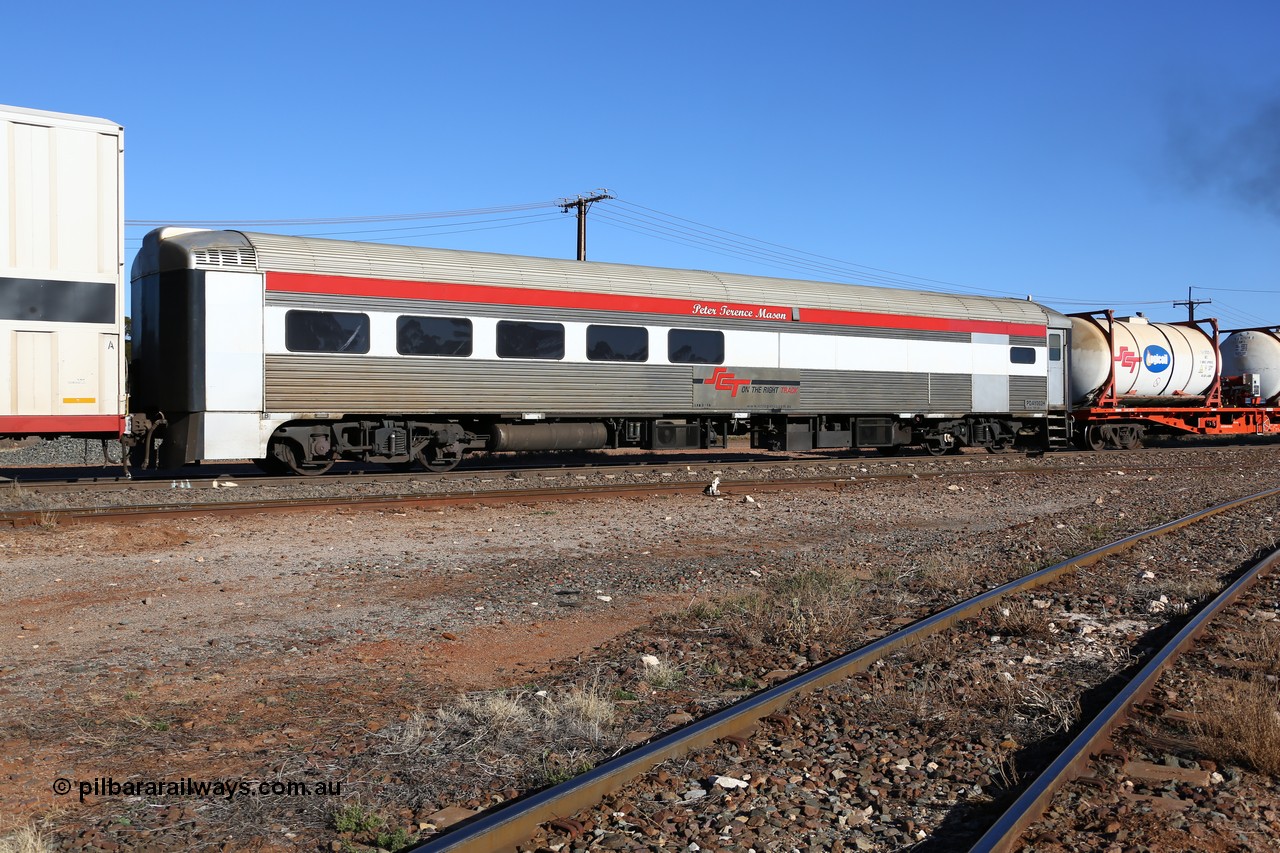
234,256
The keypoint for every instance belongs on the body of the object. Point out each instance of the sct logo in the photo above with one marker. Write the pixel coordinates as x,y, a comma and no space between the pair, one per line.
723,380
1155,358
1127,358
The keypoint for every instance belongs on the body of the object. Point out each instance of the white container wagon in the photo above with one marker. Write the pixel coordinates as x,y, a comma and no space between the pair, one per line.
62,365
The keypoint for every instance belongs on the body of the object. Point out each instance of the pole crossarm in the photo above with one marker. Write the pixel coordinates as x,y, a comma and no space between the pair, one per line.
582,203
1191,305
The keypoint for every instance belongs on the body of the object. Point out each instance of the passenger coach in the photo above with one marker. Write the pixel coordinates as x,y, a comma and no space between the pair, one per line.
297,352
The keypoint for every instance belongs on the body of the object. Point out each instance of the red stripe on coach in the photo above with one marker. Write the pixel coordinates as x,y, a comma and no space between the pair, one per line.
927,324
289,282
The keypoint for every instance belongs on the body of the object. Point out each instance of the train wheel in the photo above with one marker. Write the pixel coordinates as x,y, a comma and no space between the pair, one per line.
283,450
1130,439
1094,439
438,459
937,448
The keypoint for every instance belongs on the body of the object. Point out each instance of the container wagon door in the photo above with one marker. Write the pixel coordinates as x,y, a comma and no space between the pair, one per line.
33,373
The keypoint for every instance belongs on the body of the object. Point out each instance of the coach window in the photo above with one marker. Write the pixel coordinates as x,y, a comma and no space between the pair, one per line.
519,339
1055,347
326,331
1022,355
433,336
617,343
695,346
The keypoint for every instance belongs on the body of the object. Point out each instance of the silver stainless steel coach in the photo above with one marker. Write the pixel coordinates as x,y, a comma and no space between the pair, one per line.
298,352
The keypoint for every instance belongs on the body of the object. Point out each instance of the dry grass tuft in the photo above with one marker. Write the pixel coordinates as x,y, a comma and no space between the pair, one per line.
407,738
25,839
1244,725
521,738
486,719
940,572
789,610
581,713
1057,712
1266,648
1020,619
663,674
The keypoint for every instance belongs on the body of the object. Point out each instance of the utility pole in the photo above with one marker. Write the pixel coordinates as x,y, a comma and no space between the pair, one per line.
582,203
1191,305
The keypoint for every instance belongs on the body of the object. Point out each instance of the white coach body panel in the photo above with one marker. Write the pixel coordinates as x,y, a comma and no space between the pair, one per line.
233,435
233,342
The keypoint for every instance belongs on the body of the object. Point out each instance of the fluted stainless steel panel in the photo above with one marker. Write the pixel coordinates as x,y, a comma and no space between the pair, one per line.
338,384
1028,393
304,383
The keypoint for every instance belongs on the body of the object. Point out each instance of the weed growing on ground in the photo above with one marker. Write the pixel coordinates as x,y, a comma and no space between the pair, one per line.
556,767
355,819
395,840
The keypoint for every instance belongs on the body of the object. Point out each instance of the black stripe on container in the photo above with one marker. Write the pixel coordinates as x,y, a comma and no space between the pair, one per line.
57,301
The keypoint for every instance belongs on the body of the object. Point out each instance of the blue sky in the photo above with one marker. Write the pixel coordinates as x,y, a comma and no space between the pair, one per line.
1089,154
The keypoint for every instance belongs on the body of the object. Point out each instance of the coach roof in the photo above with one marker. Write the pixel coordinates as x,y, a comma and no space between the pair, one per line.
174,248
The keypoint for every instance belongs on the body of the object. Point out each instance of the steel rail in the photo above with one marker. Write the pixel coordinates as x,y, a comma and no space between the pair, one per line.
731,488
507,825
1031,805
372,502
54,515
154,481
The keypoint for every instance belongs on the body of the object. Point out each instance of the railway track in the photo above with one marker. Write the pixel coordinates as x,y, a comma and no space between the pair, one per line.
566,809
63,479
219,495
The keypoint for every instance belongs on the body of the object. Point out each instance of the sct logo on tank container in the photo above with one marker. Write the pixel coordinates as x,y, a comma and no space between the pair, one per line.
1155,358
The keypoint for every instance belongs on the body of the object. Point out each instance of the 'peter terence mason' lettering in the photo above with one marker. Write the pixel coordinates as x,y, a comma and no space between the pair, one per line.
739,313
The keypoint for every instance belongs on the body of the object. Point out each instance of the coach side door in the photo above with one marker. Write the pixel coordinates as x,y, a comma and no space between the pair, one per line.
1057,390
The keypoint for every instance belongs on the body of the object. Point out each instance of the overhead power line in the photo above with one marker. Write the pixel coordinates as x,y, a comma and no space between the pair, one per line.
1236,289
653,224
677,229
346,220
